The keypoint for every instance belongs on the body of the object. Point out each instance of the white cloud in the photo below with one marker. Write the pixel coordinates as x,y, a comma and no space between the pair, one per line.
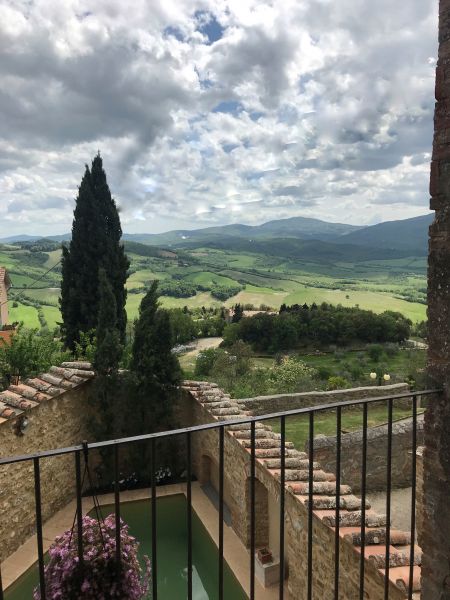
208,111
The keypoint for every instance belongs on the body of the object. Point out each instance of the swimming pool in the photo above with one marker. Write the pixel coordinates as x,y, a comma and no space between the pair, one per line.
171,553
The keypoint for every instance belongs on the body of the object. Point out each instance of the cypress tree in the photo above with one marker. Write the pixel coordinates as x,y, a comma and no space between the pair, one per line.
155,371
95,244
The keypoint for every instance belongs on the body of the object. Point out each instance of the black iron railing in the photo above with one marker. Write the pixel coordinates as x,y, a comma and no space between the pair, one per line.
221,427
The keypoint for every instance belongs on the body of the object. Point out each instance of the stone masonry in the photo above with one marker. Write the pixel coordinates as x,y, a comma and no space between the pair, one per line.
436,532
212,403
377,454
57,410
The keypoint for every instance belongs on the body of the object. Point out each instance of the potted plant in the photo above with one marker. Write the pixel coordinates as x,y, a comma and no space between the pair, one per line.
101,575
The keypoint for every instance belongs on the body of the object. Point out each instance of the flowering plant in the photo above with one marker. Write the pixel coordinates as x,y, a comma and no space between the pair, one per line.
102,576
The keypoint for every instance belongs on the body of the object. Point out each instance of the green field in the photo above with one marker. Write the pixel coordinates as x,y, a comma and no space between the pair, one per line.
297,428
398,284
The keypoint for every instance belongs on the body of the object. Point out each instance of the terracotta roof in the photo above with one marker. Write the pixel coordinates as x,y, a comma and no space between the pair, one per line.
4,277
268,454
33,391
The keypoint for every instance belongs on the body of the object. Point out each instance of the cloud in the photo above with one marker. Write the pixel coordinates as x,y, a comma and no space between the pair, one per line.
216,111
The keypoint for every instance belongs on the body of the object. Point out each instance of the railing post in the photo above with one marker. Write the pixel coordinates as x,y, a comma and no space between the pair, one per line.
117,504
154,525
310,504
282,503
388,502
189,512
363,504
338,501
79,507
221,490
413,499
40,547
252,510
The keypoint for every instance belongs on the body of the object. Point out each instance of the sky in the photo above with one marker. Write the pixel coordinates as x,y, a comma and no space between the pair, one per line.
216,111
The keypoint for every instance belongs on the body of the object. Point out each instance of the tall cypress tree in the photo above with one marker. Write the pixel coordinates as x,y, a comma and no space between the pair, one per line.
155,371
95,244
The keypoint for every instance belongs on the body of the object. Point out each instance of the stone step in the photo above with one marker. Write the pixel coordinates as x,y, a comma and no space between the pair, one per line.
348,502
396,558
352,519
246,427
303,475
319,487
221,404
266,443
400,576
377,536
291,463
246,434
275,452
226,411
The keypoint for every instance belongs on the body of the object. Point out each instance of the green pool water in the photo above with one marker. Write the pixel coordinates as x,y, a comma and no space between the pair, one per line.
171,553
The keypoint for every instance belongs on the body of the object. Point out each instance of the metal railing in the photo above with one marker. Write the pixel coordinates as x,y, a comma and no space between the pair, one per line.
221,427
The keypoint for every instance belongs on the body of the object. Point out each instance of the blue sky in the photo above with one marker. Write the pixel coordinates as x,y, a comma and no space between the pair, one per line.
214,111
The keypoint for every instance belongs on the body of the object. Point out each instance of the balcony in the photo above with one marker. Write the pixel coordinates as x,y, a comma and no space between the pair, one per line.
303,530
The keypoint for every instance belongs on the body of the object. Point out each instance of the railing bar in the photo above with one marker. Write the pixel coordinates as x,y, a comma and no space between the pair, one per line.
363,504
154,531
221,490
310,505
1,585
207,426
117,504
79,486
388,502
282,503
338,501
413,500
189,511
252,510
40,544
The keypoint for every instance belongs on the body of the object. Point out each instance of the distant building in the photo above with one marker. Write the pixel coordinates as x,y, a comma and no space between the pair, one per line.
5,284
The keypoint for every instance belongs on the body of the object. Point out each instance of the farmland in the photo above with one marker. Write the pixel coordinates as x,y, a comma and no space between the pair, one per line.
391,284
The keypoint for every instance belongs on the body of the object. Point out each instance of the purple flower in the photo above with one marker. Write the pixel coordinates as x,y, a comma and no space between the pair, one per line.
101,576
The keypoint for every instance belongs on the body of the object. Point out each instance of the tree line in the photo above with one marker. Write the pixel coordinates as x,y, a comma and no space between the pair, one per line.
302,325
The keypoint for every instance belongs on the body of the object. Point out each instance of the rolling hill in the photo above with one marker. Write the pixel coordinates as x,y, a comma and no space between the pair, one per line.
408,235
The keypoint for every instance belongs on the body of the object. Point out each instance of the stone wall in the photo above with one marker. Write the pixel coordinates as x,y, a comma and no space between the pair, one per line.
54,421
436,536
260,405
377,452
207,404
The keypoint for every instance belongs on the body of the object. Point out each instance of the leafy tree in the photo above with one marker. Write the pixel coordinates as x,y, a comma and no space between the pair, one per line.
238,313
95,244
205,361
29,353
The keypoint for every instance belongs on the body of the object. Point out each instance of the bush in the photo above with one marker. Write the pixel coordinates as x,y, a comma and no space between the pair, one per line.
375,352
205,361
337,383
101,576
293,375
29,353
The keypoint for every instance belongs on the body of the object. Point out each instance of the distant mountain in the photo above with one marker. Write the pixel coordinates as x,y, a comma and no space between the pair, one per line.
408,235
295,227
294,249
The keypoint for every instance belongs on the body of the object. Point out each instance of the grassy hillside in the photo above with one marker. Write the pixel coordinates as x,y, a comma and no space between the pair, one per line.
272,272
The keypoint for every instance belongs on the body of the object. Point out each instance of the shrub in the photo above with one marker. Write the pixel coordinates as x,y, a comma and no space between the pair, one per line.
337,383
375,352
293,375
206,359
101,576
